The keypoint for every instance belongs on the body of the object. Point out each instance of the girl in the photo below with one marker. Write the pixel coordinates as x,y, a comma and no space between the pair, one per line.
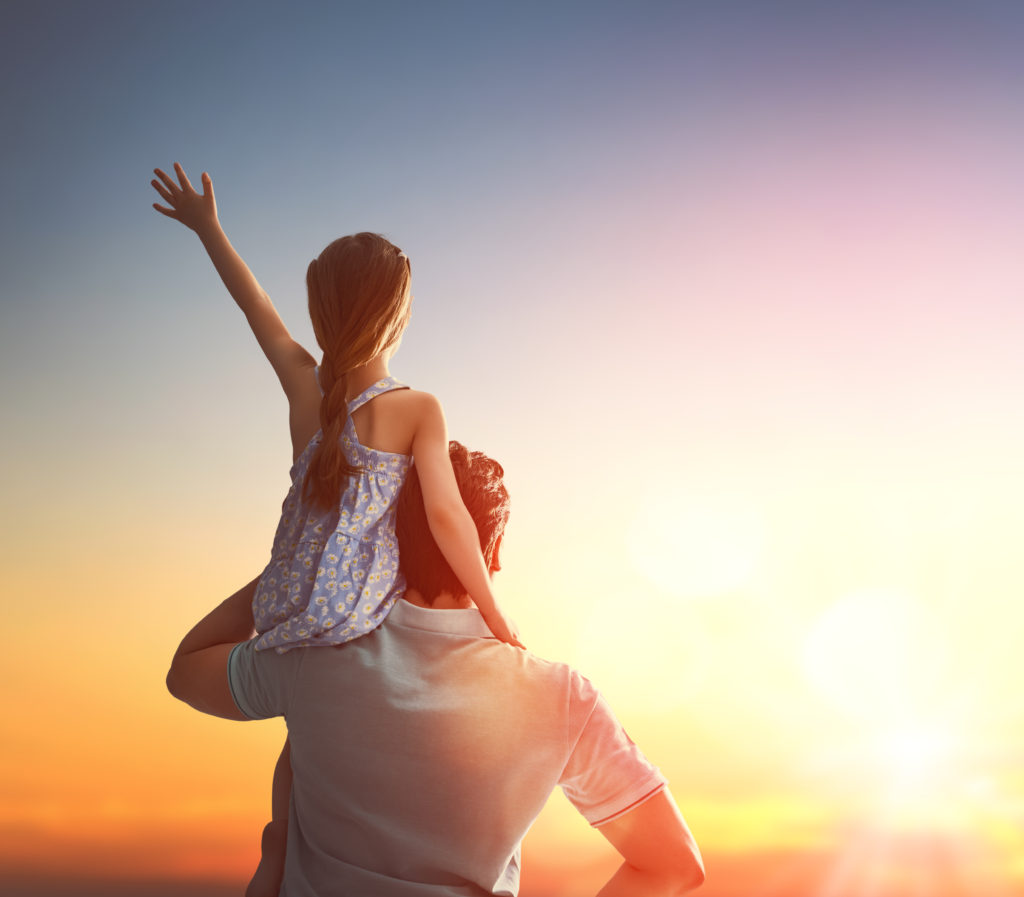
333,573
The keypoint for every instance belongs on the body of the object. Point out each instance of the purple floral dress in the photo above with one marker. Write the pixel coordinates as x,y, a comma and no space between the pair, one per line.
333,575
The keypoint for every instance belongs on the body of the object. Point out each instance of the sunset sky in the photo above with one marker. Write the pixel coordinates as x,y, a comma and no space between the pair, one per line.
735,293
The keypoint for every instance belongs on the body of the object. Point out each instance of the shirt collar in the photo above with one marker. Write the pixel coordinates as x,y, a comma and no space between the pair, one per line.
468,621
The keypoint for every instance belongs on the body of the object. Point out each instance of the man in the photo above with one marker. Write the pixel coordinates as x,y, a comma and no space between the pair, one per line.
423,751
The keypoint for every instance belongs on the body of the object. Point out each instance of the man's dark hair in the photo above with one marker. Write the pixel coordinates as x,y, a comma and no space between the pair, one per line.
480,483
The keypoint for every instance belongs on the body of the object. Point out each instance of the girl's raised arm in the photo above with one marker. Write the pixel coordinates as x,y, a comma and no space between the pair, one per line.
293,365
450,523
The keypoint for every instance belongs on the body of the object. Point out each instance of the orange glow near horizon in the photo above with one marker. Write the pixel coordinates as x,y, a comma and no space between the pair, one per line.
845,776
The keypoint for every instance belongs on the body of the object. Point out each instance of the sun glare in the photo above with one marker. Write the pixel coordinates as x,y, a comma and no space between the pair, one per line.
872,655
915,755
917,770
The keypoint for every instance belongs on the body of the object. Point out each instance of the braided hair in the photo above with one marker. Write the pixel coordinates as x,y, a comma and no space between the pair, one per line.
359,304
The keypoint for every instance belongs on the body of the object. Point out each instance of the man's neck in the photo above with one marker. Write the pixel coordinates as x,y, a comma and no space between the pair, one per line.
444,601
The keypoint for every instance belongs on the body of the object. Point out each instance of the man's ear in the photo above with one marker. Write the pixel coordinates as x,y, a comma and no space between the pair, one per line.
496,555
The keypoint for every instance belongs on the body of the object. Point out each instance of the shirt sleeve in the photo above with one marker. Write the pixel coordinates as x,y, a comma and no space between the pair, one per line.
260,681
607,774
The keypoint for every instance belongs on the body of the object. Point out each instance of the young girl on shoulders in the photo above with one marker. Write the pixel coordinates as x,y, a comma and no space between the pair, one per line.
333,573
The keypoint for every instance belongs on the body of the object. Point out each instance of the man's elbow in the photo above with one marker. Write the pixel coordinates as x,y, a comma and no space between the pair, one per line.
673,875
692,876
685,868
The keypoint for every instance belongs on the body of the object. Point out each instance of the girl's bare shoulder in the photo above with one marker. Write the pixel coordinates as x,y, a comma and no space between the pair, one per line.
416,408
393,420
407,403
416,399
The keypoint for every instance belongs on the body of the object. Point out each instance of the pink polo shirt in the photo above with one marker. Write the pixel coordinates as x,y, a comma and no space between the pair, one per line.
423,751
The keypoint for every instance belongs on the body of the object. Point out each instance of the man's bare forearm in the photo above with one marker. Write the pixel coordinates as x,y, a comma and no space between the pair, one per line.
629,881
661,857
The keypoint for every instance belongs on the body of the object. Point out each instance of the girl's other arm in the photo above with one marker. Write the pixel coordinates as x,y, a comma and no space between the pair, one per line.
450,523
293,365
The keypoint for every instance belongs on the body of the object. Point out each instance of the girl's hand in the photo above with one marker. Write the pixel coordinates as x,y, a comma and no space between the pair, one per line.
502,627
197,211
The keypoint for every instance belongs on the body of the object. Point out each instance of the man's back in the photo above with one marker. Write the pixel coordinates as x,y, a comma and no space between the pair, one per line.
423,751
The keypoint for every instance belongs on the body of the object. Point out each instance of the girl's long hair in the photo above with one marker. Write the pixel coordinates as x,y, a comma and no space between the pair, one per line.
359,303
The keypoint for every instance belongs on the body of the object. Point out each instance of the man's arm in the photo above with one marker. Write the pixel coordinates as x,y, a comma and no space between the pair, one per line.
199,670
661,857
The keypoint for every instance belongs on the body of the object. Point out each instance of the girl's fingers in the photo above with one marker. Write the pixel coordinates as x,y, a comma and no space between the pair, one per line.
182,177
163,192
171,186
168,212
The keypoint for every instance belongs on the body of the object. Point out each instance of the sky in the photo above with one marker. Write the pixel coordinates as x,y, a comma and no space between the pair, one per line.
732,290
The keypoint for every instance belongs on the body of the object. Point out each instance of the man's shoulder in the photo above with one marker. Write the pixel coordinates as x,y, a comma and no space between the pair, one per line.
560,670
557,682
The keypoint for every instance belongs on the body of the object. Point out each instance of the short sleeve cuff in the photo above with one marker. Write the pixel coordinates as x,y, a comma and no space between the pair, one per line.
634,798
238,663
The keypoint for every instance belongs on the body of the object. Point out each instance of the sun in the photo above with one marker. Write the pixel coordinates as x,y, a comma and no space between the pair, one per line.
917,786
874,655
909,759
877,661
917,771
915,756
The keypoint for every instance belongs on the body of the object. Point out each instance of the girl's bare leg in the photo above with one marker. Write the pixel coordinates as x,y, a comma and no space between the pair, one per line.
266,881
